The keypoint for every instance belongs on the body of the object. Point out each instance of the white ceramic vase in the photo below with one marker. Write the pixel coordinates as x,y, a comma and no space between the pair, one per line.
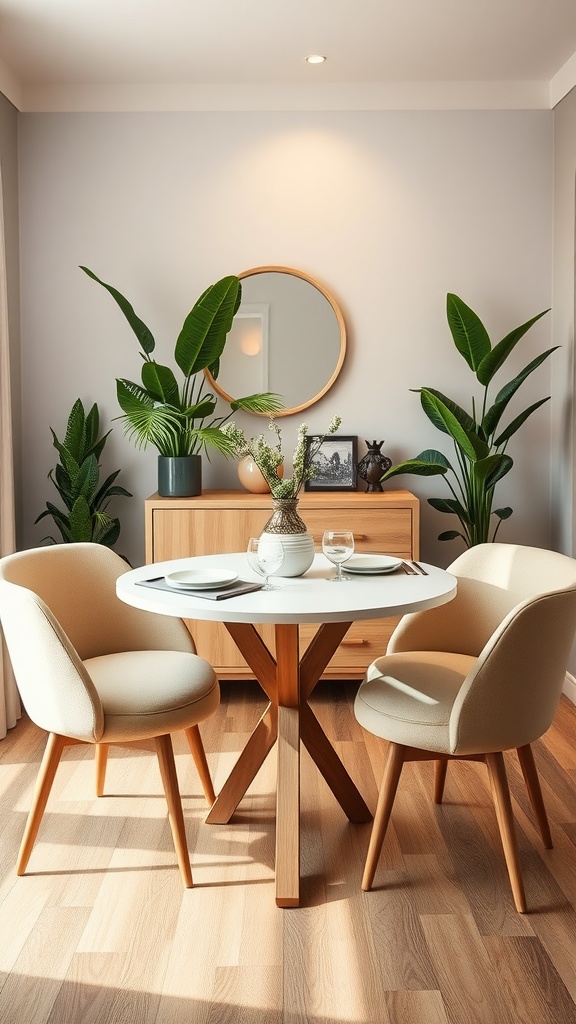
286,525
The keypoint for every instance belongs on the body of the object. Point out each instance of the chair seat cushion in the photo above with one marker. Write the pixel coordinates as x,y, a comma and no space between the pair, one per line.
145,693
408,697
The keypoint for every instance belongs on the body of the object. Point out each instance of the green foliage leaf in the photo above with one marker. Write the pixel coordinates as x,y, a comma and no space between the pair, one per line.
494,414
204,408
473,446
86,481
487,472
80,520
75,438
267,402
61,480
160,382
214,437
451,535
468,331
110,534
452,506
142,332
493,360
431,410
503,513
428,463
203,336
92,427
132,397
518,421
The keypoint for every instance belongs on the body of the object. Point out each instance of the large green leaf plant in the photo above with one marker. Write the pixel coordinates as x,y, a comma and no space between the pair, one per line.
172,416
85,515
480,441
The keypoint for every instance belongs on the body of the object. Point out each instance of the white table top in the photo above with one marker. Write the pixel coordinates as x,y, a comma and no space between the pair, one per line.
308,598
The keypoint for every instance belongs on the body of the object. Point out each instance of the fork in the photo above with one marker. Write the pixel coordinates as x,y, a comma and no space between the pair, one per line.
419,569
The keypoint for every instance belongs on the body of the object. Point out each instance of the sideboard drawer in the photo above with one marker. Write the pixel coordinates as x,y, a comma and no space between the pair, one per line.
389,534
363,642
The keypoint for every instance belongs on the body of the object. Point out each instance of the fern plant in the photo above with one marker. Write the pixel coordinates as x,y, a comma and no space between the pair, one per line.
77,480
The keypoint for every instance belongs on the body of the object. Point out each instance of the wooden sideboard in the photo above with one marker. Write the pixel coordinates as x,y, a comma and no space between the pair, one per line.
221,521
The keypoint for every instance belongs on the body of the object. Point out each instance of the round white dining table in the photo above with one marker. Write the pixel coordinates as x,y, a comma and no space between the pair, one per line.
287,677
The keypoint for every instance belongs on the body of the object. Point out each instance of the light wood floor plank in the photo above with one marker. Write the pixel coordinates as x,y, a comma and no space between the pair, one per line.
101,930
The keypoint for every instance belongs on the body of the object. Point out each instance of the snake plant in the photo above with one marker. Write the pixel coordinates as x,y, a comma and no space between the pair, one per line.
480,441
77,480
172,416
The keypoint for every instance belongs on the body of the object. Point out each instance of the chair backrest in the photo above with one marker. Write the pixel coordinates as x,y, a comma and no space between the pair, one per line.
58,606
515,611
510,697
78,584
492,580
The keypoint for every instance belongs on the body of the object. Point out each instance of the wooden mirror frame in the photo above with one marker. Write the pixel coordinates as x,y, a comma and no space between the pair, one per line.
291,272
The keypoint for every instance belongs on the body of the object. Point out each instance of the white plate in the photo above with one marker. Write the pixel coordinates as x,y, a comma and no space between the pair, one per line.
200,579
371,565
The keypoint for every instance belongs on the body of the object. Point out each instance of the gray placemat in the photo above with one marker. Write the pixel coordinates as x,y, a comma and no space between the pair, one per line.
217,594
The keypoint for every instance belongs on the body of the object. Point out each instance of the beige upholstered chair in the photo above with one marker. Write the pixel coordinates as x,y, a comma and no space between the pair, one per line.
91,669
474,677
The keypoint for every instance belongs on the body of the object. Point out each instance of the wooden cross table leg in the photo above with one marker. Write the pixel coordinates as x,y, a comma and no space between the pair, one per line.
288,682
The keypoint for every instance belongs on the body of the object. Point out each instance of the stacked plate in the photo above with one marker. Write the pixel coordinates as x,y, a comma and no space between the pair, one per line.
371,565
201,579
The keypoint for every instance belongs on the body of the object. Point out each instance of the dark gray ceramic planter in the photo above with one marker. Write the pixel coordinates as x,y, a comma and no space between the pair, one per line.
179,476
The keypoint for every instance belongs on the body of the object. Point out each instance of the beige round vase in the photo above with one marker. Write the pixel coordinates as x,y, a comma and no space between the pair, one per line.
286,525
250,476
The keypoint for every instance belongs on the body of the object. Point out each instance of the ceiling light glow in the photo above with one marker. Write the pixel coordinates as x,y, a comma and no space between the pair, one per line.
315,58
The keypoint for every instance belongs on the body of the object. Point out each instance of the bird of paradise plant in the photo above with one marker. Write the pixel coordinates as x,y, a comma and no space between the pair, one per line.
480,442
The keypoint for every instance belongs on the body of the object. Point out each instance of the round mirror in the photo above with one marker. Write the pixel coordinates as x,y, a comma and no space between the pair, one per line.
288,337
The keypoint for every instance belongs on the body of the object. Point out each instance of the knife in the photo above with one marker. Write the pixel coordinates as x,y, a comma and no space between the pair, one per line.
418,567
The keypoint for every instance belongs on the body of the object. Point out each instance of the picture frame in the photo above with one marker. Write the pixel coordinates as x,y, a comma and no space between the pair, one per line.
335,462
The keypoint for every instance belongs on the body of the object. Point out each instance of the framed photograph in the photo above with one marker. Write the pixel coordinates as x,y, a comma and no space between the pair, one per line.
334,463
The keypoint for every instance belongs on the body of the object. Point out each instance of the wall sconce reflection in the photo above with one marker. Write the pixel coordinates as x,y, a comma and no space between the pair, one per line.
247,349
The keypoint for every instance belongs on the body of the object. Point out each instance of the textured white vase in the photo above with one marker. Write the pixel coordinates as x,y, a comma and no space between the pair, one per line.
286,525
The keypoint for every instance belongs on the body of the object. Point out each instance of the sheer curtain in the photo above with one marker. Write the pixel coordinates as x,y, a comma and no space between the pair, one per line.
9,700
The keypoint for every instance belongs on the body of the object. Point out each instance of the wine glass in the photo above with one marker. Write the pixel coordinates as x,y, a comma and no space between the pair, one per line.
338,546
265,557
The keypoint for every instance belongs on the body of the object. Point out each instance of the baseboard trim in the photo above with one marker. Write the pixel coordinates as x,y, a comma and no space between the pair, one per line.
569,688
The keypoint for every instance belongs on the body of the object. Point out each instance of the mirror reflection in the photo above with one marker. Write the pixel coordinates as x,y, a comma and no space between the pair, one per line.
288,336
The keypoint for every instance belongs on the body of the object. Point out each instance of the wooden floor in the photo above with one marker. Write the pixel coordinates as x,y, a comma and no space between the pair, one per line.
101,930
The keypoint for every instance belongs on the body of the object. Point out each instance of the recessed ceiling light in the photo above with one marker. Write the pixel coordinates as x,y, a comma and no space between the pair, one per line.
315,58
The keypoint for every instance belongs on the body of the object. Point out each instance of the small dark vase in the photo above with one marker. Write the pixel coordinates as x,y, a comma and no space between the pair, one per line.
179,476
373,465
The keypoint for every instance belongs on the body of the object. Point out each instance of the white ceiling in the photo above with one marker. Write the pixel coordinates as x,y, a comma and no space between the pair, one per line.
90,54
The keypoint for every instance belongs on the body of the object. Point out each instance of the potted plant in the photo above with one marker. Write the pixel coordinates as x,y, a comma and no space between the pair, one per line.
285,523
180,420
480,442
77,480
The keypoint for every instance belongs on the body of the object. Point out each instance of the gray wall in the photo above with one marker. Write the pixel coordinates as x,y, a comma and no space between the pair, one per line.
9,167
390,210
563,482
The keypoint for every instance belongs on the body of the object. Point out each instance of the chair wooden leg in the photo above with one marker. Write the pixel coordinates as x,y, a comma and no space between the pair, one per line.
101,762
199,755
392,771
526,758
440,768
503,805
45,778
175,813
